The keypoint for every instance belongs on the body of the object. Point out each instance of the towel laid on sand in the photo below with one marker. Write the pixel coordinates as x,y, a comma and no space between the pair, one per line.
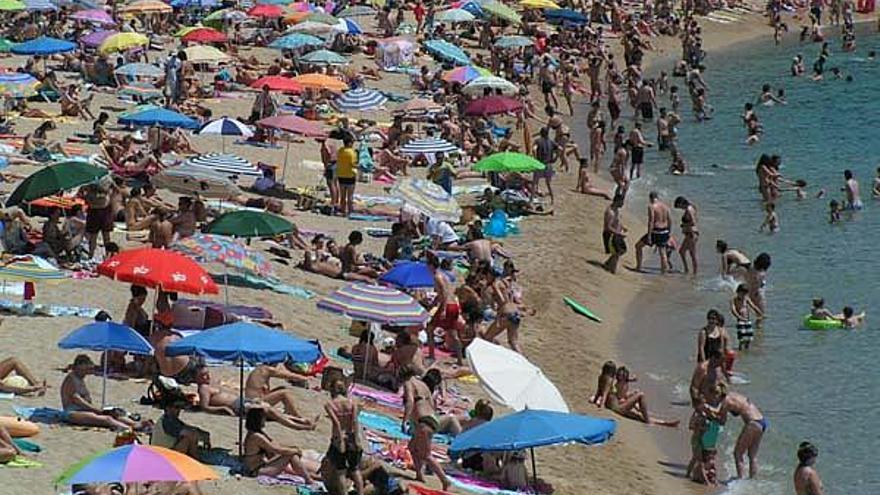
45,415
391,427
252,282
21,462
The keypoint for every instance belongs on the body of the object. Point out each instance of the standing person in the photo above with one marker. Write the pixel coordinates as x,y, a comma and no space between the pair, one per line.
637,144
264,105
754,427
328,158
597,144
712,337
657,236
547,76
851,188
806,478
99,217
756,280
547,152
421,420
646,101
741,307
173,82
346,446
689,232
613,234
346,174
448,310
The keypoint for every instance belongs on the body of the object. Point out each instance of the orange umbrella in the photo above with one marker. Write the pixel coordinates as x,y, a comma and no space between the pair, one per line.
320,81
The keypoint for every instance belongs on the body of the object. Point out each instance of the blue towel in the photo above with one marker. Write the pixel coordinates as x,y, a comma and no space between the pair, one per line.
26,445
45,415
369,218
391,427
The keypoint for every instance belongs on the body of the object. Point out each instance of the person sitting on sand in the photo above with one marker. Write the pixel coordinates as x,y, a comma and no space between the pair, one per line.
354,267
584,184
77,401
8,449
264,457
216,400
38,145
182,368
186,437
631,404
257,385
16,378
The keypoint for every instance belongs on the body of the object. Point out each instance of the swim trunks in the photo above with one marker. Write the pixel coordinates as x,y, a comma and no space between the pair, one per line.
660,237
348,460
446,317
638,155
744,333
647,111
764,424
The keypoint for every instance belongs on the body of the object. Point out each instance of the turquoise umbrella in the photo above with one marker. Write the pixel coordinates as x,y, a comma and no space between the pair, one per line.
324,57
446,51
513,41
295,41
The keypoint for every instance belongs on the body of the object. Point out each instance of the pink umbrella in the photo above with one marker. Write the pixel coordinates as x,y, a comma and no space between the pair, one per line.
292,124
95,39
301,7
493,105
96,16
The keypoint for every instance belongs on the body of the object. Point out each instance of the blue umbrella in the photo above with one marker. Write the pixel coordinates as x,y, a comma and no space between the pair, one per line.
411,275
40,5
531,428
161,117
43,45
296,40
245,342
473,8
565,15
106,336
445,50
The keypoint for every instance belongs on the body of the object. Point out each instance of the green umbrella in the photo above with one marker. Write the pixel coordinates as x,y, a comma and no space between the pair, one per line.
508,162
6,45
501,11
248,223
323,57
322,18
55,179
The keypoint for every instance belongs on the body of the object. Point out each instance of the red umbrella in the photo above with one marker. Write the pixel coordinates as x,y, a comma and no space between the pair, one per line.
157,268
493,105
278,83
294,124
266,10
204,35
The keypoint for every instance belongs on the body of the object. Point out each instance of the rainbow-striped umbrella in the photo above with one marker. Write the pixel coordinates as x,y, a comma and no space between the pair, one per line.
465,74
375,303
226,250
18,85
29,268
428,198
136,464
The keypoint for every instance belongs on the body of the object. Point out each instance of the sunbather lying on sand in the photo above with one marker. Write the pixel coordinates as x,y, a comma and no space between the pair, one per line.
12,372
77,401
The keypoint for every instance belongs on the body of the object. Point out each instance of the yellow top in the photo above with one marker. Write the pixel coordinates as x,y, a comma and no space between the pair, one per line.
346,163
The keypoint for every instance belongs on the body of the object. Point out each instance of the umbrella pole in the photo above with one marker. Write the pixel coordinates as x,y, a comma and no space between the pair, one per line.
225,285
534,470
284,170
241,408
104,384
223,143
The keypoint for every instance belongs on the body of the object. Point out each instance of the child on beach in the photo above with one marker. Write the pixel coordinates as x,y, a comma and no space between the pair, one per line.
741,307
771,220
834,211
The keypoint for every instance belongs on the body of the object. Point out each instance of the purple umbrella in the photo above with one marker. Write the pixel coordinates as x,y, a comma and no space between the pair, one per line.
93,40
96,16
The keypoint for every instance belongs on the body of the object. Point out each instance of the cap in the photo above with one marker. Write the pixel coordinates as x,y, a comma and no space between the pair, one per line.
83,360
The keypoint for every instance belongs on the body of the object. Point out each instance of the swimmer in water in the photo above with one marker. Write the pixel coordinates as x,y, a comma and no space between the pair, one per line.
756,280
797,66
732,260
767,98
851,188
819,311
771,219
834,211
850,319
875,189
872,55
742,307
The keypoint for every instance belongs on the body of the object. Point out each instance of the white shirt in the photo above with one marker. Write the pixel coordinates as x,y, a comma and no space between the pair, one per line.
442,230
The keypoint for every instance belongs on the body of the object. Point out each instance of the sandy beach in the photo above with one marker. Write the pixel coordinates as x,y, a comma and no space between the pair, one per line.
557,256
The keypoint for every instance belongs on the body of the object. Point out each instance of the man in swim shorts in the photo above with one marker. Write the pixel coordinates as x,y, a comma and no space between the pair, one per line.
851,188
448,310
657,236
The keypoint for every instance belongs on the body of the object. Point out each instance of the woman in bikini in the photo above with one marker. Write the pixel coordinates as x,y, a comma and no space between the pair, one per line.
346,445
712,337
421,416
264,457
632,404
689,231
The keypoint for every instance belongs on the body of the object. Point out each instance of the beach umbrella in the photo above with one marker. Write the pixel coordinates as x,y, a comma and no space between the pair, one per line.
465,74
511,379
278,83
185,179
199,4
6,45
419,106
301,7
30,268
294,125
161,269
375,303
95,38
11,6
320,81
143,91
359,99
186,30
136,463
454,15
296,40
311,27
501,11
204,35
493,105
224,164
135,70
121,42
204,54
446,51
146,7
532,428
428,198
323,57
18,85
106,336
273,2
513,41
229,252
356,11
39,5
249,223
493,83
428,146
509,161
565,15
161,117
95,16
226,127
54,179
44,45
218,17
539,4
410,275
321,17
245,342
266,11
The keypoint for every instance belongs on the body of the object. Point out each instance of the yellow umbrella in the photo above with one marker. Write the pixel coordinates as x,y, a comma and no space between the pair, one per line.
121,42
203,54
539,4
320,81
147,7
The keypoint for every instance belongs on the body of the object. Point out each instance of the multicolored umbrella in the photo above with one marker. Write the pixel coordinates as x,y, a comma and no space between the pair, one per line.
230,252
454,15
248,223
44,45
94,39
18,84
121,42
227,165
278,83
428,198
513,41
465,74
479,85
446,51
428,146
375,303
162,269
266,11
324,57
136,70
296,40
226,127
136,463
204,54
146,7
359,99
29,268
311,27
509,161
204,35
493,105
320,81
55,179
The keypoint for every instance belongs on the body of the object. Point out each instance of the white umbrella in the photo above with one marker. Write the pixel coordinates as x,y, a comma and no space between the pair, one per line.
477,85
511,379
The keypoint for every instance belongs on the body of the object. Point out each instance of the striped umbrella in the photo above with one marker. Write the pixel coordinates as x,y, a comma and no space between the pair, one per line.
375,303
136,463
96,16
513,41
209,248
428,198
40,5
359,99
29,268
18,85
226,127
185,179
478,85
428,146
454,15
224,164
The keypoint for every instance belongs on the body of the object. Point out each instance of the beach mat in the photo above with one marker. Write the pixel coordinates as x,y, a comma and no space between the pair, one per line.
26,445
45,415
391,427
581,310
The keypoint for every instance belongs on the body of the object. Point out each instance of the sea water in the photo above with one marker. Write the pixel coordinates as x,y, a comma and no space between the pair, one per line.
817,386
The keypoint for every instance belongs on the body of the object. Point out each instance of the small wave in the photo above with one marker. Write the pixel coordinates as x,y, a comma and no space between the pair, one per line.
718,283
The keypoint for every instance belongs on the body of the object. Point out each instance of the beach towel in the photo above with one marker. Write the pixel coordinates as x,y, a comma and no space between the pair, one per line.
21,462
244,142
378,232
370,218
21,308
7,395
390,427
26,445
388,398
45,415
477,485
424,490
252,282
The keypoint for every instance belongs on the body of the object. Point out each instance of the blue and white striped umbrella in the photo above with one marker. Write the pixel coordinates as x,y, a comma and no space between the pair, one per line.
359,99
226,127
296,40
428,146
224,164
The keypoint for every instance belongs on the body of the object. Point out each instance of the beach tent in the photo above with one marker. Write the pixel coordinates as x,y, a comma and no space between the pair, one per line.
395,52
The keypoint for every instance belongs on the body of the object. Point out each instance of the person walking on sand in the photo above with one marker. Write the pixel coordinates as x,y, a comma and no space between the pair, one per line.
547,152
689,231
806,478
754,427
613,234
448,310
421,421
346,174
658,232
